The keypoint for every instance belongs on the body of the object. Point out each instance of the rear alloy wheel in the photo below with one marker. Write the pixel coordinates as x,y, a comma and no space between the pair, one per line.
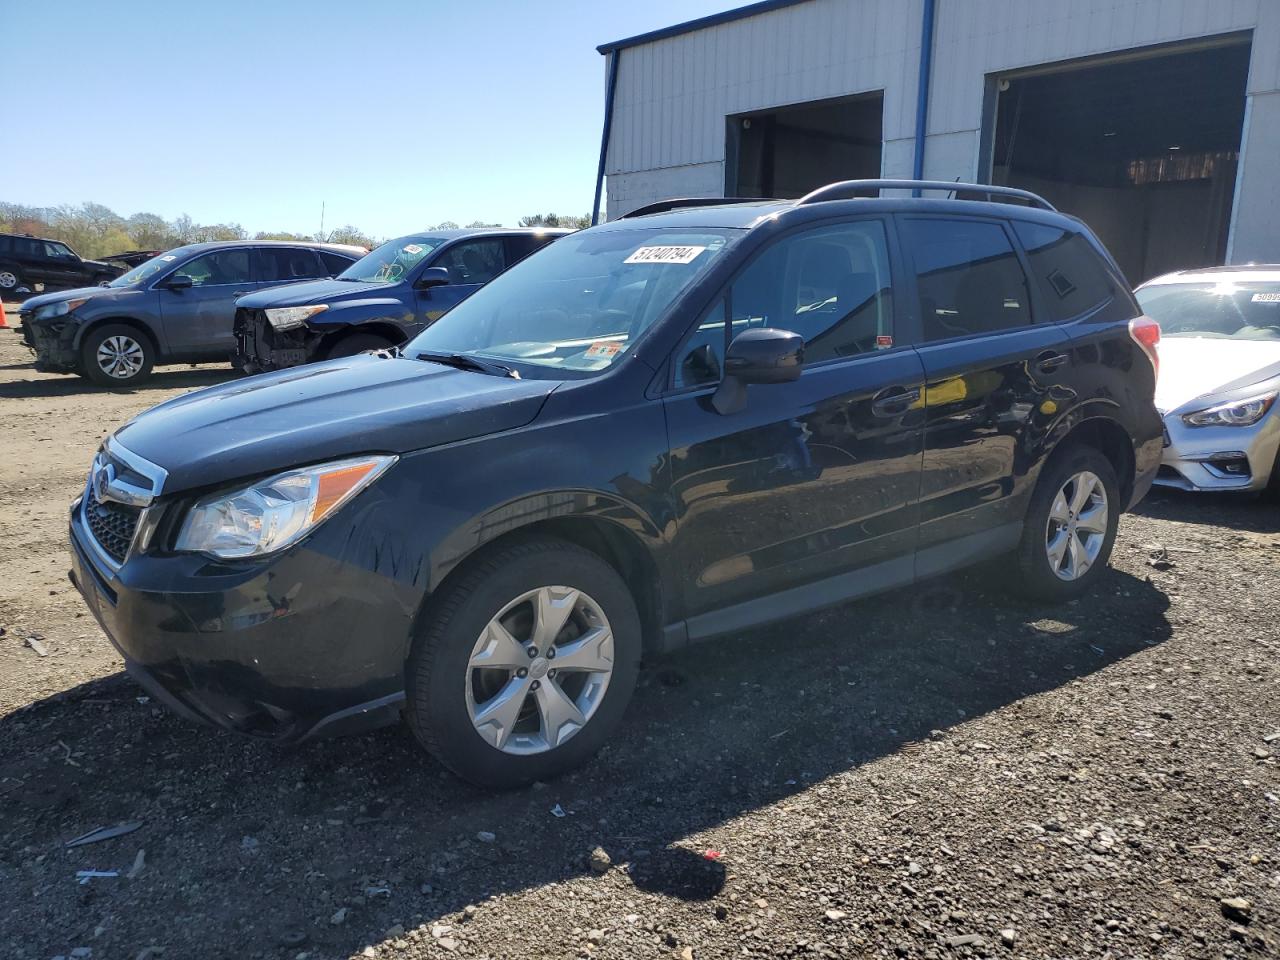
116,356
9,281
1070,525
527,664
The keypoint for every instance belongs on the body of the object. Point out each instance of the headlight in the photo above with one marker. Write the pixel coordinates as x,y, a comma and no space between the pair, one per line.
286,318
56,309
1237,413
276,512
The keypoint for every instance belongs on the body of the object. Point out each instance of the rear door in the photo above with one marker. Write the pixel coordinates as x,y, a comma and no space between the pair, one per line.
816,478
198,321
471,264
995,377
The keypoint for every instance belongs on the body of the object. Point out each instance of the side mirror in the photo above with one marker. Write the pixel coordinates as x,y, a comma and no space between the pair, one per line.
763,355
179,281
432,277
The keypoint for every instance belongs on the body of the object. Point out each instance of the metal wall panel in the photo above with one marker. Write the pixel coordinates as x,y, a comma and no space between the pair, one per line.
674,94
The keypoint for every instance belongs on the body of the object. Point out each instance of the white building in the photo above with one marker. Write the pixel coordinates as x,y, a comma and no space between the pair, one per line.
1157,121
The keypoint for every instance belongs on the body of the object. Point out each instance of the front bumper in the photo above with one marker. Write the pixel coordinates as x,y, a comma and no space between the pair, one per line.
260,347
52,343
1219,458
300,645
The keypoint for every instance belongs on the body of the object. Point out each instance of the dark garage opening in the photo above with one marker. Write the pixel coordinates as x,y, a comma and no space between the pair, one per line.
1144,149
789,151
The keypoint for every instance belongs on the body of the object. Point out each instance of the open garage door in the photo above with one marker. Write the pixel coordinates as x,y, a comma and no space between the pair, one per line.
788,151
1143,147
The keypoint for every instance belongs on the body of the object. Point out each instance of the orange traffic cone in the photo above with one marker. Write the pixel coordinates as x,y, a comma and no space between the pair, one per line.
3,322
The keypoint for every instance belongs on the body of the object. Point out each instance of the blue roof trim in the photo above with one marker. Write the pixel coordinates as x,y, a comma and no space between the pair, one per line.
689,26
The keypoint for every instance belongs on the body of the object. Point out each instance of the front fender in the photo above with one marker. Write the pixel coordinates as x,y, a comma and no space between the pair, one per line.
351,313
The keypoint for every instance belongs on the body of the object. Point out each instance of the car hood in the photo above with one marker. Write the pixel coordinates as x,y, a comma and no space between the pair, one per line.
324,411
31,304
1194,367
317,291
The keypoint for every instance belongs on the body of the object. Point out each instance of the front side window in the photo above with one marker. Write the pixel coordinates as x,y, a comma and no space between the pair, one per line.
391,262
1220,310
831,285
220,268
59,251
970,278
578,306
473,261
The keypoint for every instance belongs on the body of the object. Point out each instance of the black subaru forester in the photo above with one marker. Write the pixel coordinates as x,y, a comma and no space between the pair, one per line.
680,424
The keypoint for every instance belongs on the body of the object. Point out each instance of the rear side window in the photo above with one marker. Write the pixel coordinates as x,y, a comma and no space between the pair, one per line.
6,244
285,264
1073,277
334,263
970,278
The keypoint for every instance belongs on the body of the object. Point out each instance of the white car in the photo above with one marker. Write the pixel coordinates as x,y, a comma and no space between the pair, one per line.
1219,376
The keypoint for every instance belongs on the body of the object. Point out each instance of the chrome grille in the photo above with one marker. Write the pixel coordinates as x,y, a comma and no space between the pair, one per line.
112,525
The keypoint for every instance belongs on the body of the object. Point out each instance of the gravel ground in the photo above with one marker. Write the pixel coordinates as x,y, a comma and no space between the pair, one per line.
942,772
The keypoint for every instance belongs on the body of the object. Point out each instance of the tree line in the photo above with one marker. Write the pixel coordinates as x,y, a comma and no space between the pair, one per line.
94,230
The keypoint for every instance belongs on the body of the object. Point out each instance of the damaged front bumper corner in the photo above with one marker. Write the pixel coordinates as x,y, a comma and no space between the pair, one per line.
260,347
53,344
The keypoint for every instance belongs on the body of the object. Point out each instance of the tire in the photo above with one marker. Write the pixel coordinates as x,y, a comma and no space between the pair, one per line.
446,690
10,280
133,351
1056,576
355,343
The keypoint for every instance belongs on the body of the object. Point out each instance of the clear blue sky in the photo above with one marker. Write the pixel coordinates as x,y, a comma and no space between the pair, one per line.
396,114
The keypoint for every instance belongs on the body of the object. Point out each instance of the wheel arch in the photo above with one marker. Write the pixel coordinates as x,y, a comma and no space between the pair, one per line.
1109,438
125,321
619,544
380,326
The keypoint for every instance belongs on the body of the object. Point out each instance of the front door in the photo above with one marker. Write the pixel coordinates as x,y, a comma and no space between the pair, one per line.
199,320
777,505
995,379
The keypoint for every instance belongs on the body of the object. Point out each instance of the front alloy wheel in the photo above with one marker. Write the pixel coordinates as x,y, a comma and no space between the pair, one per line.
540,670
120,357
525,662
116,356
1077,526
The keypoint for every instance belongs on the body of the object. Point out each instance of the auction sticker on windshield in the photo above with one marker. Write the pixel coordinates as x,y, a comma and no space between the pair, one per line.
412,248
603,350
664,255
1266,298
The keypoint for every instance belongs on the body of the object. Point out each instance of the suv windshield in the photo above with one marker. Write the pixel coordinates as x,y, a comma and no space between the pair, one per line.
578,304
1223,310
147,269
391,262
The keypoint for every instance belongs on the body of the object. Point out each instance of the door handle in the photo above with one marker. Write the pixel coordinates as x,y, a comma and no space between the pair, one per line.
893,401
1049,361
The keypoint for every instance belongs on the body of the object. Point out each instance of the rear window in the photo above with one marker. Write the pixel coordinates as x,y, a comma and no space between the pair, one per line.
1073,277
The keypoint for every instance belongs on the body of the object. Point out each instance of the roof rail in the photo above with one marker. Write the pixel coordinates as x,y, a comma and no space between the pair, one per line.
662,206
848,189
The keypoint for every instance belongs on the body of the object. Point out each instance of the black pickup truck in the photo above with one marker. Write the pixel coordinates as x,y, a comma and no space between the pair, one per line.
26,261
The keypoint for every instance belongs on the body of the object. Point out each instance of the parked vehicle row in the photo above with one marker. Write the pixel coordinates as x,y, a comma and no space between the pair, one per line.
248,301
174,308
666,428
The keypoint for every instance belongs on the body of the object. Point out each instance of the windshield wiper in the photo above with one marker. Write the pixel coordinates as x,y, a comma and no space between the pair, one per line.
465,361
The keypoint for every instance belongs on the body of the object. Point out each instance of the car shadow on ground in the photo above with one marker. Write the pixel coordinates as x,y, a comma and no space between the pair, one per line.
163,379
256,846
1239,511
